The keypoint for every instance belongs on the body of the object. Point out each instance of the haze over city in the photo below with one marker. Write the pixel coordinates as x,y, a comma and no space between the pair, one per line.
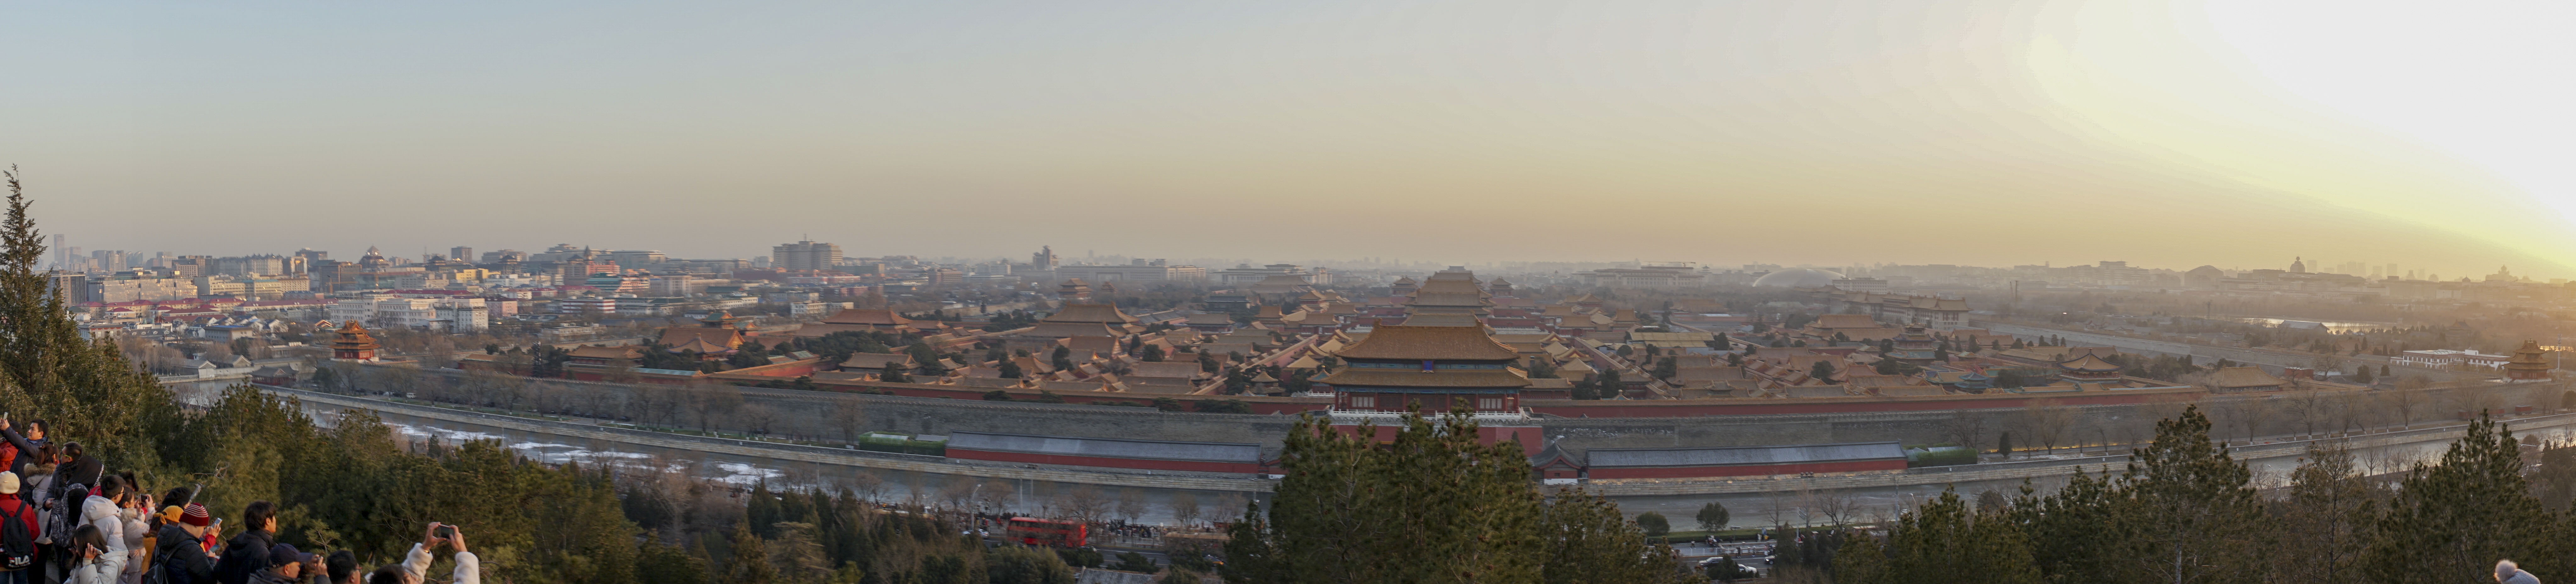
1157,292
2167,134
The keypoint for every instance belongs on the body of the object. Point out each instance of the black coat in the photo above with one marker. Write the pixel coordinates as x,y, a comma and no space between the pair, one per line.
86,471
26,451
186,560
244,555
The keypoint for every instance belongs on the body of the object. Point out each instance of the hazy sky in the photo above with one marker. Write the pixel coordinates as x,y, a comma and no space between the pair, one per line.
2167,134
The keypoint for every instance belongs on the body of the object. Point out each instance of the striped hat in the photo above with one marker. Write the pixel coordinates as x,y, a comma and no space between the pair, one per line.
196,515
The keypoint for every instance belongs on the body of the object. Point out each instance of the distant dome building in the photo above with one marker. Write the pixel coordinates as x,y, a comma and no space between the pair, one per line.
1798,278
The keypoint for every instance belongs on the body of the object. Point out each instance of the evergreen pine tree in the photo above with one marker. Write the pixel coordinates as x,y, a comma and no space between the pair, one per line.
1712,516
1430,506
2200,517
1943,543
750,563
1654,524
1587,542
2458,517
85,388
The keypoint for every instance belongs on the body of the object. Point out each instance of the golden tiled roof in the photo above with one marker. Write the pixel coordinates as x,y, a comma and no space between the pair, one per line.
1428,342
1356,376
2090,363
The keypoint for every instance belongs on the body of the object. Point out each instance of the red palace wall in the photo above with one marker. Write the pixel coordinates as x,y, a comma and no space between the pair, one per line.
1722,407
1739,471
1258,404
1529,437
1102,461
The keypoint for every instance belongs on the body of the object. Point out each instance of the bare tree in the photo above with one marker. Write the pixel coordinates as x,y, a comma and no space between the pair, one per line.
849,417
2046,423
1130,504
2312,408
757,418
2472,399
1084,503
1229,505
1185,508
710,401
648,401
1779,511
958,494
1832,507
867,487
1967,427
2410,398
996,497
2326,362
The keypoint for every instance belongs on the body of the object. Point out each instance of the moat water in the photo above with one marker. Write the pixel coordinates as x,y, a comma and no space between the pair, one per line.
1793,507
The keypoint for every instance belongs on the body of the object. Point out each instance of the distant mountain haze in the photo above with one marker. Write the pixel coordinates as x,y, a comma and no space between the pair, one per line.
1989,132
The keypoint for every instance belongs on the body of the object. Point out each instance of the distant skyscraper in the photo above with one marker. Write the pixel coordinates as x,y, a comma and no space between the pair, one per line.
1044,259
461,253
805,255
107,260
62,255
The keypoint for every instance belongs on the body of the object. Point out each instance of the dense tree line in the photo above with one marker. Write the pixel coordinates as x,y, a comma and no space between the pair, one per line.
2186,511
1432,505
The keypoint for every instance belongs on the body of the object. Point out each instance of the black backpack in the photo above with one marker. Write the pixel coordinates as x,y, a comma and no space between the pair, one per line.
159,570
17,545
67,516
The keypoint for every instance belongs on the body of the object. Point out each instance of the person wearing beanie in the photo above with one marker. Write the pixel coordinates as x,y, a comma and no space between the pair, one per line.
286,565
178,555
13,508
2508,573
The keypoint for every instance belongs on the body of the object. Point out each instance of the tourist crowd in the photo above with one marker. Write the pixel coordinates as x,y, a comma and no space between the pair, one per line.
65,518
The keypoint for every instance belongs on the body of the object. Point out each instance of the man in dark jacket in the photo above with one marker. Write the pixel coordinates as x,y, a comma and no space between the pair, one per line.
247,553
26,445
83,469
177,555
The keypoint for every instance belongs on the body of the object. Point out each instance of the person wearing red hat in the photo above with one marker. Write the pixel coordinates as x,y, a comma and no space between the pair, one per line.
15,509
178,556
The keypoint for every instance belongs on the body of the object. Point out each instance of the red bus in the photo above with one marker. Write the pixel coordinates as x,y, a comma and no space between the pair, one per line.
1034,531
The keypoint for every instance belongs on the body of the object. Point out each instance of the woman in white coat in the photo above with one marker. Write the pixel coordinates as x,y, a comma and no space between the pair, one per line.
106,511
96,564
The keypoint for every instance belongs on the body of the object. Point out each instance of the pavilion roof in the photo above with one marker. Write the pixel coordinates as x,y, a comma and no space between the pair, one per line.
1428,342
2090,363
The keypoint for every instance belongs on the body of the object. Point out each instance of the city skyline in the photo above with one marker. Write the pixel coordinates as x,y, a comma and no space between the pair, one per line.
1991,134
2370,269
